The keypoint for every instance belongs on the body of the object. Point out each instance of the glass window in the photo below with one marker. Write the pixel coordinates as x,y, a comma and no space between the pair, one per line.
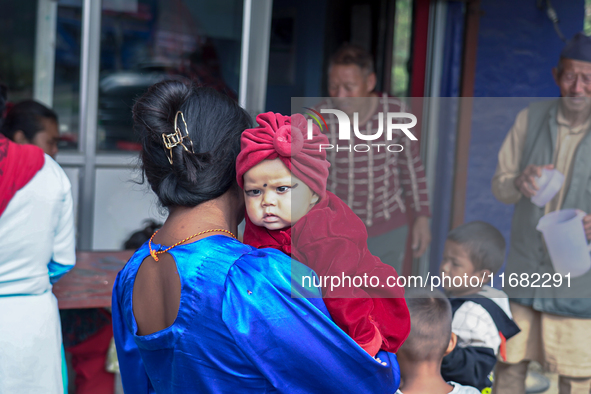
29,66
147,41
66,90
17,47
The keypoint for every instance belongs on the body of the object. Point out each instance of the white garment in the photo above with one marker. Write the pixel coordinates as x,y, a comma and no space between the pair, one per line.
36,228
458,389
474,326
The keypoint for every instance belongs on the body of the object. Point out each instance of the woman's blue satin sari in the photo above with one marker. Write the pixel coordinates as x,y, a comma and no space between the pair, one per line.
238,330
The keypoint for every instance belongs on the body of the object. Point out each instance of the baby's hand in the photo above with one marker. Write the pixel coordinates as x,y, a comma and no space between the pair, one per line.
380,361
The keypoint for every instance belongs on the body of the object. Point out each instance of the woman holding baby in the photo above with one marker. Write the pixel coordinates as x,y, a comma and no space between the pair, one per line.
197,311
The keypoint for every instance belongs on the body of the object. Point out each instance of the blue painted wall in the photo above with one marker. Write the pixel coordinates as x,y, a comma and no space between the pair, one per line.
517,48
450,87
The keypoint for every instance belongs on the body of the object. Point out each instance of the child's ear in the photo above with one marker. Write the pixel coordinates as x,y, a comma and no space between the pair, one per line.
314,199
452,344
484,274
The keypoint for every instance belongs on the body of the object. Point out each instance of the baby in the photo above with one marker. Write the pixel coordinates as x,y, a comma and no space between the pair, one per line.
284,177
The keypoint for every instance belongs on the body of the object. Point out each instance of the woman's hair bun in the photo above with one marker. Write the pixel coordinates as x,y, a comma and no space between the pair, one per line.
214,125
156,109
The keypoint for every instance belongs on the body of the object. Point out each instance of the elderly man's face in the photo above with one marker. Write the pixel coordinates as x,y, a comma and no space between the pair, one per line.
350,81
574,81
347,82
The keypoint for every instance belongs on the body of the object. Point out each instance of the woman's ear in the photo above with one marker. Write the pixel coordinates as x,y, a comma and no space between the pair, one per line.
19,138
452,344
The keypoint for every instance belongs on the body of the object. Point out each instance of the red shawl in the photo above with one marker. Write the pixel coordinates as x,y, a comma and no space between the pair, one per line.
332,240
18,165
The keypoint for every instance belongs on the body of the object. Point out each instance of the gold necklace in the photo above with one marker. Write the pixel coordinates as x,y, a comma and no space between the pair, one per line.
155,253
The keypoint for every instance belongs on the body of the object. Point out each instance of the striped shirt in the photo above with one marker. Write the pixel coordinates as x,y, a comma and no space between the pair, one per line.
379,185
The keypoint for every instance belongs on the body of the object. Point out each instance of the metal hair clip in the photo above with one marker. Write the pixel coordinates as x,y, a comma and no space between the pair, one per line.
176,138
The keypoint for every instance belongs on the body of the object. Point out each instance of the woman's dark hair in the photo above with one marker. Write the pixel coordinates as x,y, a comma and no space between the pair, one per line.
26,116
3,97
215,123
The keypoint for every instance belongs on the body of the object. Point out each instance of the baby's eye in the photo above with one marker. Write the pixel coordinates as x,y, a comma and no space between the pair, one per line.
253,192
283,189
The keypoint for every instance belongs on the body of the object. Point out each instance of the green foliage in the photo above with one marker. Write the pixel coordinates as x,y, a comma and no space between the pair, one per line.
401,54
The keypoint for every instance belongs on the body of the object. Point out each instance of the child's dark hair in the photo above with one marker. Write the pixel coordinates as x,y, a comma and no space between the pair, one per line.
430,320
483,242
215,123
26,116
138,238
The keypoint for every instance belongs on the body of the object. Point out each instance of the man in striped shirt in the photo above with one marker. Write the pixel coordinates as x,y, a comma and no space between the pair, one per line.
383,179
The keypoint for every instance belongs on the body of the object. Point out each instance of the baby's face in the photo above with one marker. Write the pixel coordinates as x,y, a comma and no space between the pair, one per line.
274,198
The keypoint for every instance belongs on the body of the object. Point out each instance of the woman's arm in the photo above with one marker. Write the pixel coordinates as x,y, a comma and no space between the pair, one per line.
63,256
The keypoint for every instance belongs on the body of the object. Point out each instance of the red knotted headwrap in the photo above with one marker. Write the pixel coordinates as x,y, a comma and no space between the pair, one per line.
285,137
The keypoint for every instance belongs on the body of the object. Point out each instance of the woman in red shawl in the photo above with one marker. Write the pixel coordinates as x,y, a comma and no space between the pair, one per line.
288,208
87,332
37,244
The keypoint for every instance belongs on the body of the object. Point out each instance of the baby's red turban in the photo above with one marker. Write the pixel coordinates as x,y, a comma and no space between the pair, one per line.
285,137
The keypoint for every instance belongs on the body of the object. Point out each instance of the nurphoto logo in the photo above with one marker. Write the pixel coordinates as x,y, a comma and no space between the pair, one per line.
393,120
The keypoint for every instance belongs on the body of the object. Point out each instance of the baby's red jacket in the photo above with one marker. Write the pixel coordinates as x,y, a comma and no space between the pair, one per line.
332,240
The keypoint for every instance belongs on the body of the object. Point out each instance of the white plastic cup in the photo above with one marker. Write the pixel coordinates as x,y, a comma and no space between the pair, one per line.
549,183
564,234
